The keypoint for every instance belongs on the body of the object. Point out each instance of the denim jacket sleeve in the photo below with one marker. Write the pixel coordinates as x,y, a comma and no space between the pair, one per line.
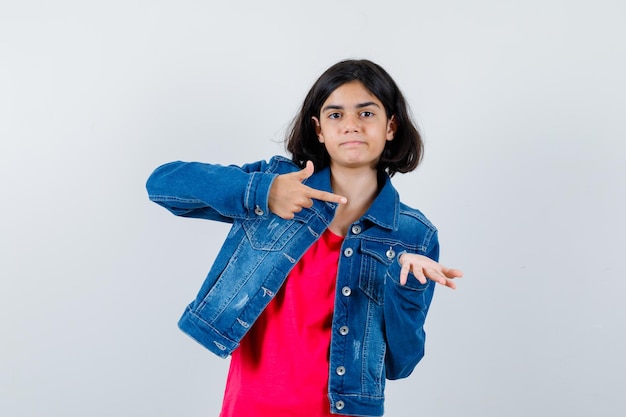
214,192
405,312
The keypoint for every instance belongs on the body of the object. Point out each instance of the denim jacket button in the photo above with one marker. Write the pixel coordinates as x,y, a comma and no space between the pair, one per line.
339,405
348,252
356,229
390,253
343,330
346,291
258,211
341,370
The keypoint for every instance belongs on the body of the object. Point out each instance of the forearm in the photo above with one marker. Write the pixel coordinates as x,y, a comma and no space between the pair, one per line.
216,192
406,307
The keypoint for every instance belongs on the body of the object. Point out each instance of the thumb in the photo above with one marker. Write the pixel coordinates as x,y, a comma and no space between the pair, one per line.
306,172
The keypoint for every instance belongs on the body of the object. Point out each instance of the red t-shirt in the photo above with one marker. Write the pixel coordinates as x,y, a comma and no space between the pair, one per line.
281,367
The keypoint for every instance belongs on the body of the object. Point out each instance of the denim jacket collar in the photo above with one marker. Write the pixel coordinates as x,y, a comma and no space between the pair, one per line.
381,212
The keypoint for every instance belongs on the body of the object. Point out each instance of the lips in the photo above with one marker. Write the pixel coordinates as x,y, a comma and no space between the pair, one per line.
352,143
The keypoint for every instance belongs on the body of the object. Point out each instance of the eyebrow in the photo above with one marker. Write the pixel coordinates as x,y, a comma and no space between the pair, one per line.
358,106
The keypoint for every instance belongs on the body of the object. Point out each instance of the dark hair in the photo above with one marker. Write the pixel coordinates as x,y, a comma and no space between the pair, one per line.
402,154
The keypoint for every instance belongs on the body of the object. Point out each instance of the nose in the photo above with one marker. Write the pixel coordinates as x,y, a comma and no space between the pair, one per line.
351,123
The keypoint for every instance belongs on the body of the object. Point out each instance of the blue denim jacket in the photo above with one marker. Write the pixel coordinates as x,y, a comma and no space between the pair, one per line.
377,328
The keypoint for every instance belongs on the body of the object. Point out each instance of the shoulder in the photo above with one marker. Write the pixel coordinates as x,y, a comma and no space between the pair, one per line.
280,164
405,213
422,232
414,215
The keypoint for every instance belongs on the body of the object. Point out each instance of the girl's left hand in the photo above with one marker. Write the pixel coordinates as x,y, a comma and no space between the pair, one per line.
425,268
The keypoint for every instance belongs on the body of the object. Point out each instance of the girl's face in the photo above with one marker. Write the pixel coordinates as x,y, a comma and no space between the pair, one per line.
353,127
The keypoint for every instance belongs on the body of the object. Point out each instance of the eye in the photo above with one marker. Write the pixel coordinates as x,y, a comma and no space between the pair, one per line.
334,115
367,114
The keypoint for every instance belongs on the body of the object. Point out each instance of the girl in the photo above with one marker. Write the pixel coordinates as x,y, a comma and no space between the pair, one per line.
322,286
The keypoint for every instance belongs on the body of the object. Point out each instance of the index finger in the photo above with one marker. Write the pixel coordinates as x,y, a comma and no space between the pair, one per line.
326,196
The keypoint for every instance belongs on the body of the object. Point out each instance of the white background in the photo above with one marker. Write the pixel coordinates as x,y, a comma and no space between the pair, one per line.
522,106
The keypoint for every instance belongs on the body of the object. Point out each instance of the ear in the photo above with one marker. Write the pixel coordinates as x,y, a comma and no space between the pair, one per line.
318,129
392,127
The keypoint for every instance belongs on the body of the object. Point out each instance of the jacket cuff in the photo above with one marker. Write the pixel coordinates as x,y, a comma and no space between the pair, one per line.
256,198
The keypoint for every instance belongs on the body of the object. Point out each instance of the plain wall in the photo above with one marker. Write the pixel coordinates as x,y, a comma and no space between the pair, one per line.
522,107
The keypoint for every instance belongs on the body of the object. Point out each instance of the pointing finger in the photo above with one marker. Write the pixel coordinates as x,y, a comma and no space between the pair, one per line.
326,196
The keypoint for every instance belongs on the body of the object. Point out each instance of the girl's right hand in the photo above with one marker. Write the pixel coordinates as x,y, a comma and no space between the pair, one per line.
289,196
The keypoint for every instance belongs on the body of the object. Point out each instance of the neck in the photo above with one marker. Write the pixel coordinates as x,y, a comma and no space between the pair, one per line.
360,187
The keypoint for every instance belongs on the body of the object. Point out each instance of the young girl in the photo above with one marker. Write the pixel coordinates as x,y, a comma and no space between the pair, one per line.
322,286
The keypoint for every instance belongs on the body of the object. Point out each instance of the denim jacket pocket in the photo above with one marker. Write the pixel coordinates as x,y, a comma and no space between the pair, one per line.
376,258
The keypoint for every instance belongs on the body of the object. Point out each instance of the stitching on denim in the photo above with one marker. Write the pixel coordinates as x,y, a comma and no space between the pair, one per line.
416,214
171,198
247,192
